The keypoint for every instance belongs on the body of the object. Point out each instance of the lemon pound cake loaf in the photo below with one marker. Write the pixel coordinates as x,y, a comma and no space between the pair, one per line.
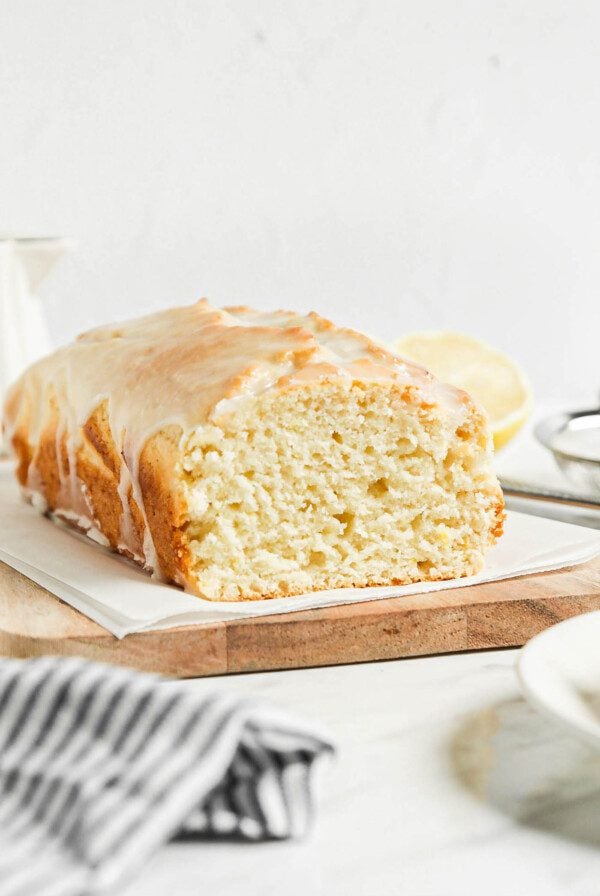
247,455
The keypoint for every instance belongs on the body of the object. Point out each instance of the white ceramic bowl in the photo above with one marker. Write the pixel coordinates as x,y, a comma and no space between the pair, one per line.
559,671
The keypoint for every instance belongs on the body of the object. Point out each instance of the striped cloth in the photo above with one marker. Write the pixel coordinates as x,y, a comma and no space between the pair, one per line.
100,765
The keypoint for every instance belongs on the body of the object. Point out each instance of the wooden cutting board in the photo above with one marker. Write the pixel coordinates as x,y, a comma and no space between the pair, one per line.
497,614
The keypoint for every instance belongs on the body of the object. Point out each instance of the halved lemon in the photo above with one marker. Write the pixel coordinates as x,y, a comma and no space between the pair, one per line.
491,377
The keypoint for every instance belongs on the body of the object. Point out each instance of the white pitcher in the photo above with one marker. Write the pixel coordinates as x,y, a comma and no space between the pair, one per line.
24,264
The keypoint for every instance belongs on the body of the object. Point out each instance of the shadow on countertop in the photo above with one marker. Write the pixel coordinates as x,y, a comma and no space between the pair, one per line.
530,769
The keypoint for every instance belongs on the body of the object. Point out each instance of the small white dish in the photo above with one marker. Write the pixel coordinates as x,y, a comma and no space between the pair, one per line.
559,672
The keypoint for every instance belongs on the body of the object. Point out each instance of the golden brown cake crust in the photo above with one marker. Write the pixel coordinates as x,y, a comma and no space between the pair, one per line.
98,474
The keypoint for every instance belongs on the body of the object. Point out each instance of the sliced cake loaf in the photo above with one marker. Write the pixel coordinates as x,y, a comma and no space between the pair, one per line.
247,455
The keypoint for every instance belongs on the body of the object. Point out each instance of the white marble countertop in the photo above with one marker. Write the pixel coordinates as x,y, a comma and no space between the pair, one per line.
446,784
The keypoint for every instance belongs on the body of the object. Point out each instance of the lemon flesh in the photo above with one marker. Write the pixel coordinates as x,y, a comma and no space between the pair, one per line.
494,380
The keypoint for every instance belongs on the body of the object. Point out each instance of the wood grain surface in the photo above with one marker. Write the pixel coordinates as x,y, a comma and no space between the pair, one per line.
34,622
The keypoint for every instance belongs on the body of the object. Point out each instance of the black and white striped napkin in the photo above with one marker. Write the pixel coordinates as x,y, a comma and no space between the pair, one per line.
100,765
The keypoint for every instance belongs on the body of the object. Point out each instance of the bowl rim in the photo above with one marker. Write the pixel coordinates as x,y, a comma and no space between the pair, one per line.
550,426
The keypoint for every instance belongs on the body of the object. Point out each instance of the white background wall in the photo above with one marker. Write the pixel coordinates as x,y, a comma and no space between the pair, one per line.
395,165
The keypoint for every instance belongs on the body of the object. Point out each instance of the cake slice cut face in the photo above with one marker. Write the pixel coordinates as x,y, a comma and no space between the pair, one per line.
247,455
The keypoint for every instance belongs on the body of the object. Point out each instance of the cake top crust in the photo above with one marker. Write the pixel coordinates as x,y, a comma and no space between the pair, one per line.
190,365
